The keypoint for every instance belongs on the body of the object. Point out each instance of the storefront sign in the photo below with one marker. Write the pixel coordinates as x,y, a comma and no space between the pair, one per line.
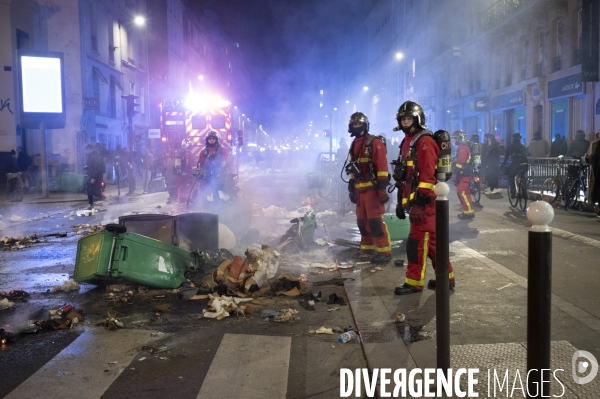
564,87
508,100
481,104
153,133
90,103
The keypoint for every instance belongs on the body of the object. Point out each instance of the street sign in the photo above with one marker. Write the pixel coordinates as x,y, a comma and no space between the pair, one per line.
90,103
153,133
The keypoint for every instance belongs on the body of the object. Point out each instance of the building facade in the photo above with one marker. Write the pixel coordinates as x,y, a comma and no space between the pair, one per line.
108,55
493,67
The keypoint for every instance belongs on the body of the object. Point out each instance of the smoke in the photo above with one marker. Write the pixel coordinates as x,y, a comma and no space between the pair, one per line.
290,51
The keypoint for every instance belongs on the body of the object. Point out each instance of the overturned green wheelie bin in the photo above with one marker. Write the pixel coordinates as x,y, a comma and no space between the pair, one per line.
115,256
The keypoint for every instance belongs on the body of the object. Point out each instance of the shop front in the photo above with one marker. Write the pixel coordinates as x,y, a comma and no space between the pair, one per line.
508,115
474,110
566,105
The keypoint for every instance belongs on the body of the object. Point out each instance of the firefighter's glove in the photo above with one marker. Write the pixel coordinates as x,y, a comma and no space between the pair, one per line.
400,212
383,196
352,191
416,214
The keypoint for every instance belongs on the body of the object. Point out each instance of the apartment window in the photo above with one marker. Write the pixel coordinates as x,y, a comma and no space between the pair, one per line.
96,86
93,27
132,88
509,64
113,98
559,38
142,102
579,30
524,59
22,39
111,41
540,46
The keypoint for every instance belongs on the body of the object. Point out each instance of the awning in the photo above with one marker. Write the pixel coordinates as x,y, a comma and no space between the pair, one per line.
116,82
99,75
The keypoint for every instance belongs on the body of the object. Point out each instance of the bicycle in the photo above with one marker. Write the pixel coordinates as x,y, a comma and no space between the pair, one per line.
576,190
554,187
476,187
342,198
518,198
330,175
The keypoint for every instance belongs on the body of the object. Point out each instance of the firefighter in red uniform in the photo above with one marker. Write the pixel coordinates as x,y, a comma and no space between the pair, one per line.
213,161
369,178
415,176
184,162
463,173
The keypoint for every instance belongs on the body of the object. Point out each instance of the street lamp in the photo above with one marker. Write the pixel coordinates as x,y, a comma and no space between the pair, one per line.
139,20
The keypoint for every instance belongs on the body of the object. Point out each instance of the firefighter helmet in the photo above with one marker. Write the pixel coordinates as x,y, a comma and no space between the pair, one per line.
459,136
212,134
411,108
358,117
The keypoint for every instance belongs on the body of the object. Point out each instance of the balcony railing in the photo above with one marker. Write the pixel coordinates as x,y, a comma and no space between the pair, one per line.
499,11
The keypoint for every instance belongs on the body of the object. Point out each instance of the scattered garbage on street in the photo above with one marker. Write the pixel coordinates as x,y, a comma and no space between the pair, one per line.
69,285
347,337
161,279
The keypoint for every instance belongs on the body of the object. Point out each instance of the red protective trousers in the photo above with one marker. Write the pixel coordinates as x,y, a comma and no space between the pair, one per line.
373,232
420,246
463,190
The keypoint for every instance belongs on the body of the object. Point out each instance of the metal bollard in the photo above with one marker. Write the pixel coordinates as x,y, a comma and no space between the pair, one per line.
539,284
442,288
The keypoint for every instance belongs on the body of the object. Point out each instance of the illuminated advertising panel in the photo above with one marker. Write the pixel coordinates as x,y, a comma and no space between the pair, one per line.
41,81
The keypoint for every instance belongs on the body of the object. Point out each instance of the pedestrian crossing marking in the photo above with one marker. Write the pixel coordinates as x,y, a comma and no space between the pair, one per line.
248,366
78,371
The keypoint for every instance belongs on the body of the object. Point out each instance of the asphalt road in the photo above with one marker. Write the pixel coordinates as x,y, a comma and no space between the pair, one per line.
311,365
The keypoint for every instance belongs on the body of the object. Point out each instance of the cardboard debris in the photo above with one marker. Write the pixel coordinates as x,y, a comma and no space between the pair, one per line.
6,304
293,292
282,316
162,308
324,330
223,306
69,285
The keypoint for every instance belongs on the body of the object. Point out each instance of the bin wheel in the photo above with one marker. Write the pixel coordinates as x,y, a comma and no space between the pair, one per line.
115,228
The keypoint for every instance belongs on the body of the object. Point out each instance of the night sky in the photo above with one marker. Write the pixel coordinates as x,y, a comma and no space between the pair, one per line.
291,50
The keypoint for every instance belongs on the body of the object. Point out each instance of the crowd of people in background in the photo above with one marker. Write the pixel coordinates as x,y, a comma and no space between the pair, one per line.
493,149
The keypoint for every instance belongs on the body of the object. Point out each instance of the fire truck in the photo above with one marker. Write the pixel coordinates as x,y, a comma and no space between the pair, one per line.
194,119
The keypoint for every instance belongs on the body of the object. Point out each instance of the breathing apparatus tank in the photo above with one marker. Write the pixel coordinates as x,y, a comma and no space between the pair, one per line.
476,155
444,163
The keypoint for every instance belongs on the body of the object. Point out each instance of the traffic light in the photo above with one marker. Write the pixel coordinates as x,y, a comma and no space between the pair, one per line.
240,137
132,105
229,138
326,133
